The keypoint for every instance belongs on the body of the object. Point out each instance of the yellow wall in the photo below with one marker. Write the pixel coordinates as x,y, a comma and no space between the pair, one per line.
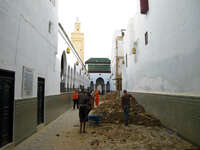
77,39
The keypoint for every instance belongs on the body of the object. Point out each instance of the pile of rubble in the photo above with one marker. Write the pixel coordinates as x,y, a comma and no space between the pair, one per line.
110,136
109,96
111,111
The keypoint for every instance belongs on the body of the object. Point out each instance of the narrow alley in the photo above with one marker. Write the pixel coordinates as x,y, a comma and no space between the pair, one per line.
130,67
63,134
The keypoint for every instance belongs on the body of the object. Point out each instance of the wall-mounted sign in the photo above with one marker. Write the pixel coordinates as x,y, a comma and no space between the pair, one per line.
27,82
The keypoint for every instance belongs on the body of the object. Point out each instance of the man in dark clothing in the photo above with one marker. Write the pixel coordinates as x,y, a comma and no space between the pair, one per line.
83,110
91,102
125,99
79,96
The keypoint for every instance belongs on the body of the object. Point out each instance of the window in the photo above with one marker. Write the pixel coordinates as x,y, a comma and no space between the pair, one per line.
50,27
126,61
146,38
53,2
144,6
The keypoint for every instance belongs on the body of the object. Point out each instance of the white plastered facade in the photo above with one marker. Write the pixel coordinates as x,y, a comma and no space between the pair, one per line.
169,63
26,41
29,38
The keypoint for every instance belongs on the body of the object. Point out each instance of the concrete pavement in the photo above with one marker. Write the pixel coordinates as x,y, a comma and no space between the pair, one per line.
45,138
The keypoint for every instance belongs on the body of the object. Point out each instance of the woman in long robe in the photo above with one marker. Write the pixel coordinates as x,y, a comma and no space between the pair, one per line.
97,98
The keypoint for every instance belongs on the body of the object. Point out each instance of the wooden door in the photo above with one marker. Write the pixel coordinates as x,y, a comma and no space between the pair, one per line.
40,104
6,107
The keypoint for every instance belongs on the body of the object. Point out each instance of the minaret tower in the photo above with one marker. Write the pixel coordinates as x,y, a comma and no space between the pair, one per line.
77,39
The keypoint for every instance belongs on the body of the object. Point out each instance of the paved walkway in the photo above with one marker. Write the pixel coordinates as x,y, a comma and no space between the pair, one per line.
45,139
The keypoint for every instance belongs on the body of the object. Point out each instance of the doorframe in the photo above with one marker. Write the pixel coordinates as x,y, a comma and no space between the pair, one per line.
11,74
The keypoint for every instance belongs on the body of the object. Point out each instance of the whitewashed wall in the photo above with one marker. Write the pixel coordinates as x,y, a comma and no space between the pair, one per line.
95,76
25,41
120,48
170,62
127,46
104,76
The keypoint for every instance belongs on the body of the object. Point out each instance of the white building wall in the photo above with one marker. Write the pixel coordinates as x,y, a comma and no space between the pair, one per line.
117,50
25,41
112,86
71,59
170,62
113,51
120,47
127,46
104,76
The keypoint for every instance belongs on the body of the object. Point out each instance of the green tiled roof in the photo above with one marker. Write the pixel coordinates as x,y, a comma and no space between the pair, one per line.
98,60
98,68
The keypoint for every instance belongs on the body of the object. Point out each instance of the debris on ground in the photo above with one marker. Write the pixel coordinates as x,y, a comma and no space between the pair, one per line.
111,111
94,142
119,137
144,133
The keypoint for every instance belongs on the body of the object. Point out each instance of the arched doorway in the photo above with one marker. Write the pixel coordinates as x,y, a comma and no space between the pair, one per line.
71,79
107,87
63,72
68,78
92,85
100,85
74,82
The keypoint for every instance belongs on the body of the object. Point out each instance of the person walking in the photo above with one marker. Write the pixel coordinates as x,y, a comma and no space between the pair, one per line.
75,99
125,101
97,98
92,98
91,101
84,107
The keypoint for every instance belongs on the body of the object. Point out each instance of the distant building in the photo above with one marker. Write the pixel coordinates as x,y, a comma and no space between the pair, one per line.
99,70
117,59
77,38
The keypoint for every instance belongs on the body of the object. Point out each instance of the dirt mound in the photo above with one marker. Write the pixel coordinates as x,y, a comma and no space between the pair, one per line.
112,112
110,96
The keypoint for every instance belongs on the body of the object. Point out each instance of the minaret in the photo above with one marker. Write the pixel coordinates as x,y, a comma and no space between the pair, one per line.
77,39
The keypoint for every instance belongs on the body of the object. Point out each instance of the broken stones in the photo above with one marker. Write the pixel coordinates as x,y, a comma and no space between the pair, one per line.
94,142
112,112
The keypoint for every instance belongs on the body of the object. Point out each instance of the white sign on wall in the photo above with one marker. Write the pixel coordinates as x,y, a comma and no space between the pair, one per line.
27,79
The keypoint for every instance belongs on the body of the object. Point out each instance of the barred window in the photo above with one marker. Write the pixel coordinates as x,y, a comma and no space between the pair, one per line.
50,27
146,38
